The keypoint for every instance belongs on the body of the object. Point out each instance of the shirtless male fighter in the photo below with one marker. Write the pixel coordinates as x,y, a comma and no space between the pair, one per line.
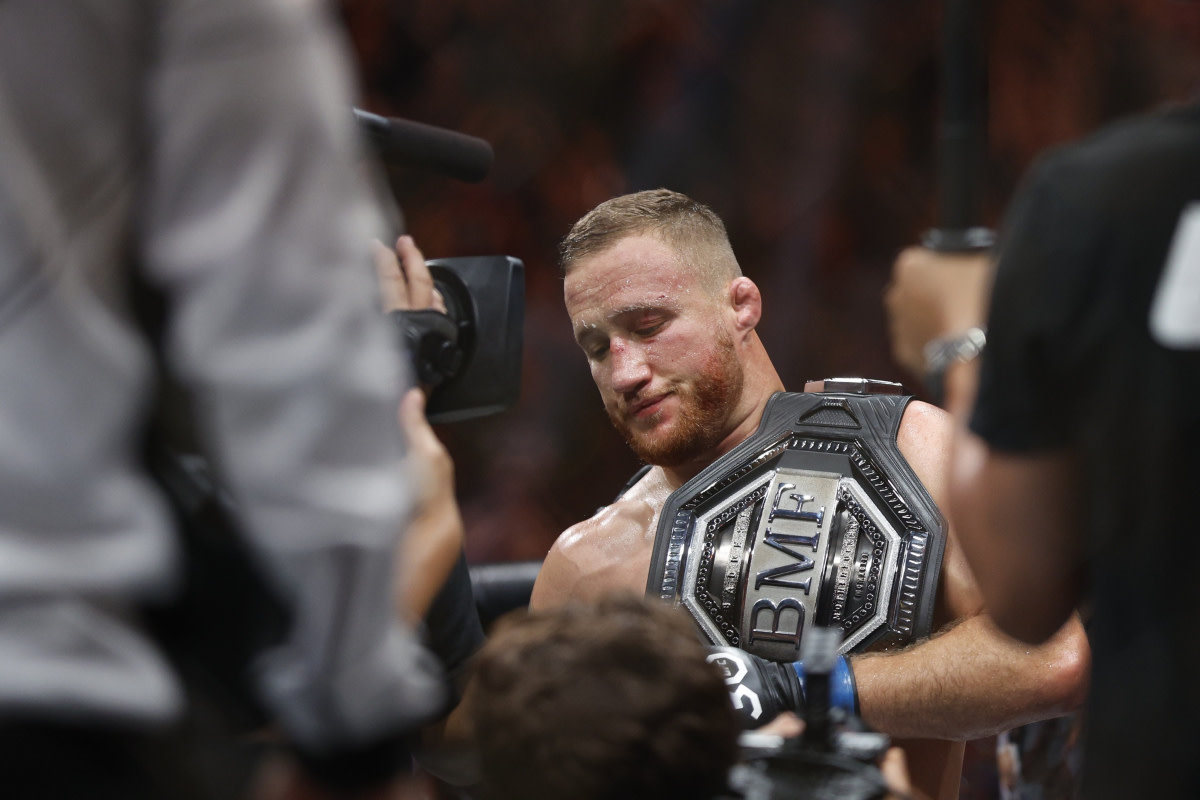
667,321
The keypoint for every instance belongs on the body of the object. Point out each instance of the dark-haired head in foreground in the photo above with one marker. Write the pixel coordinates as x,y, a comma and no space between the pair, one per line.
601,701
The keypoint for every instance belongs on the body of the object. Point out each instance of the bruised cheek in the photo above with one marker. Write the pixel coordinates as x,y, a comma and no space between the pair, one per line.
673,356
714,363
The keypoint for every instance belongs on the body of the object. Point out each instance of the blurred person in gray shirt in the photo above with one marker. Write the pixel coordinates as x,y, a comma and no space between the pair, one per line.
209,145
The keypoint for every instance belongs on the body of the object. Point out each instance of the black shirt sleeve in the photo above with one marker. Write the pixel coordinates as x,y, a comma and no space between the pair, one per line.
452,624
1030,376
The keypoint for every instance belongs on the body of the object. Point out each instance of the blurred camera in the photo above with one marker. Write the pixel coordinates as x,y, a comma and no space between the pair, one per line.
470,357
835,757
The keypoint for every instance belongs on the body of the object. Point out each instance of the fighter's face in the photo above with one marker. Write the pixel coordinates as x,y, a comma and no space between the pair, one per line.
659,347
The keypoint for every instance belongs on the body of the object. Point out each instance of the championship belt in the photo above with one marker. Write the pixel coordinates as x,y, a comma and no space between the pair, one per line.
816,519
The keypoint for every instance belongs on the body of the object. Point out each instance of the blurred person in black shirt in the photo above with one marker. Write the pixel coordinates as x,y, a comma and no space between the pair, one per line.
1078,427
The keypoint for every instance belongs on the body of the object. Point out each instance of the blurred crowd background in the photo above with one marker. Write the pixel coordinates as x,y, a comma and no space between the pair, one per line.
808,125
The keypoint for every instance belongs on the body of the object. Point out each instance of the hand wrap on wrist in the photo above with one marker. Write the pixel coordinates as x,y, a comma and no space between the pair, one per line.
761,690
843,691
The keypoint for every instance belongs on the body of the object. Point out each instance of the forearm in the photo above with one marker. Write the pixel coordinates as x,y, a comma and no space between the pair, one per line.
1017,519
432,546
972,681
959,386
1018,522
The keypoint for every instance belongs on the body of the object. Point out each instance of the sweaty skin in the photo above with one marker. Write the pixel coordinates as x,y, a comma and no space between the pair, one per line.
648,328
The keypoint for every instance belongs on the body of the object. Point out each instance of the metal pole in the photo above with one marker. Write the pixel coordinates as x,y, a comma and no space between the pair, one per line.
963,133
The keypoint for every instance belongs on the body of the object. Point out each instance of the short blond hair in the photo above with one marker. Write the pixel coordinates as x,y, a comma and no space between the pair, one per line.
690,228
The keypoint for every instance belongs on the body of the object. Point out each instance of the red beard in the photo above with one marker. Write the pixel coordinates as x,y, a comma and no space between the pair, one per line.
705,405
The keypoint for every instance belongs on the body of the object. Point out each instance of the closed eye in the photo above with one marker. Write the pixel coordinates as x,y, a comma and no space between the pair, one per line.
650,329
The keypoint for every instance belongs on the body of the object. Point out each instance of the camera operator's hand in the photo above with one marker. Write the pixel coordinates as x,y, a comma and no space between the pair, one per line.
435,534
787,725
404,278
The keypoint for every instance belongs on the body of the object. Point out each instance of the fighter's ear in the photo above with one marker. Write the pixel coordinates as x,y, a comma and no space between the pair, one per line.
746,302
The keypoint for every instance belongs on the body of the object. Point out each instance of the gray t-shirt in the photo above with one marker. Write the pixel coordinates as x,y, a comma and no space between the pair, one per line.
209,142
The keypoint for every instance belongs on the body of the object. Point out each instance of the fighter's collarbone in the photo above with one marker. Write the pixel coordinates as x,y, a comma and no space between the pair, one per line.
626,522
612,550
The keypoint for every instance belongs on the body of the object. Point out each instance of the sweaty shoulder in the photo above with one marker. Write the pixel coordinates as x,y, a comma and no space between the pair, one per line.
925,438
609,552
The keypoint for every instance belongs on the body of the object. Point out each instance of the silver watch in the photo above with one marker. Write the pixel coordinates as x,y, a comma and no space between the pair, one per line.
941,353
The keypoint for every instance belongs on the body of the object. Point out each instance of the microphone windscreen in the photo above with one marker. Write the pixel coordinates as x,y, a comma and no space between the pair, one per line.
422,146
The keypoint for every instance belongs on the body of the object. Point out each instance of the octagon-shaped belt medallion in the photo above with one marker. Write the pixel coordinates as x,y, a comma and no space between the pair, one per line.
816,519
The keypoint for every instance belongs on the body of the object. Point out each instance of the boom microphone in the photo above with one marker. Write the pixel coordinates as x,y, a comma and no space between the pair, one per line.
415,144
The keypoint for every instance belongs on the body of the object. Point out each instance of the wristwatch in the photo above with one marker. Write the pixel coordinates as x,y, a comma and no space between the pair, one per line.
941,353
